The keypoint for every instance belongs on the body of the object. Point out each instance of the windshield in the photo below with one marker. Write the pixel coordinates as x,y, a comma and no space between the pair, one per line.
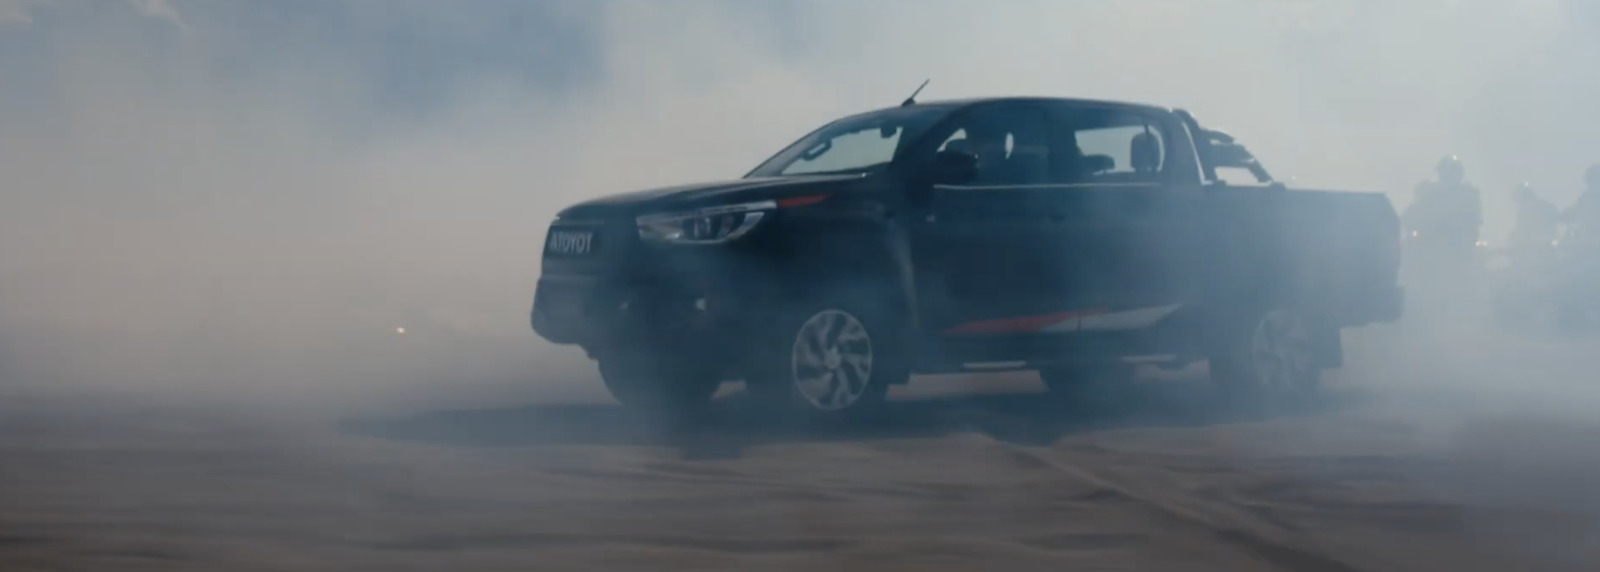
856,144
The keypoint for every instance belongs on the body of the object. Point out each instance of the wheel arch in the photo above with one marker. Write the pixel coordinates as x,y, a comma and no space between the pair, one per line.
865,259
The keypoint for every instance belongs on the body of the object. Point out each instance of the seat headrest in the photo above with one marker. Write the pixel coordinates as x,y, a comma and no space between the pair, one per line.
1144,153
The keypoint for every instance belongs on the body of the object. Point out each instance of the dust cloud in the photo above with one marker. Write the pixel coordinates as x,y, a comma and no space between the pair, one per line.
207,198
341,205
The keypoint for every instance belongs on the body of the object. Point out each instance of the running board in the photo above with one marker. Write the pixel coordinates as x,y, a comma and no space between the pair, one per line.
995,365
1166,360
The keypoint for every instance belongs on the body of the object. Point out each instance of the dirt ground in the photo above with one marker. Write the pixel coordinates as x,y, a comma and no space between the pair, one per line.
964,474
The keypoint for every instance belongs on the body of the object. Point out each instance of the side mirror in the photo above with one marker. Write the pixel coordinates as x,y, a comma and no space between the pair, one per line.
952,168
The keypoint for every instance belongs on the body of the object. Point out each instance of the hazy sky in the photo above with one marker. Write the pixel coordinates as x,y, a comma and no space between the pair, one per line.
203,184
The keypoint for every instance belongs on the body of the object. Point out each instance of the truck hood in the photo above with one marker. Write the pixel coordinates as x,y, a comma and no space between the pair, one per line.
704,194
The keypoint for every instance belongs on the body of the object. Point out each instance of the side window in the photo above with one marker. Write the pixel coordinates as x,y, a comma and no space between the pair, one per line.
1109,146
1010,141
1237,176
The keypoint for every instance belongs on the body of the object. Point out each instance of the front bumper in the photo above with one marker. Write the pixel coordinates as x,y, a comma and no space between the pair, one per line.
606,316
569,310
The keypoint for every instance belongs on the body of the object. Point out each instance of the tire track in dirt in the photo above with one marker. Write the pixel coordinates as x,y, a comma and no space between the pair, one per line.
724,545
1263,539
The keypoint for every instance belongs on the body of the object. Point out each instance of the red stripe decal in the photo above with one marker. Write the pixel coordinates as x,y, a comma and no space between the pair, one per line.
801,201
1023,324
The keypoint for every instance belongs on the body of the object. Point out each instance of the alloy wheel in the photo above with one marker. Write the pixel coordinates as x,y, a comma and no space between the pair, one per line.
831,362
1283,351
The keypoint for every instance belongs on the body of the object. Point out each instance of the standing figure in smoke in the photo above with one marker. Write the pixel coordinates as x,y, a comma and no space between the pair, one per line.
1448,210
1580,255
1441,230
1521,288
1585,212
1537,225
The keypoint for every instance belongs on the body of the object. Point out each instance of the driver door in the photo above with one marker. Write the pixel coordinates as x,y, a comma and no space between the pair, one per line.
988,256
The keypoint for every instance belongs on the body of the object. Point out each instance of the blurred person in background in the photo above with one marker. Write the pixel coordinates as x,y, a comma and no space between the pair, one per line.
1520,273
1585,212
1448,211
1579,250
1442,258
1538,222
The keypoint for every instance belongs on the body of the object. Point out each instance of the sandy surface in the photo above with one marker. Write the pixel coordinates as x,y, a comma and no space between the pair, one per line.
1427,477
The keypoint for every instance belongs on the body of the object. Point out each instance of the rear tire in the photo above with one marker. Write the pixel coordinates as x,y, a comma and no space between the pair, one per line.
832,358
1269,358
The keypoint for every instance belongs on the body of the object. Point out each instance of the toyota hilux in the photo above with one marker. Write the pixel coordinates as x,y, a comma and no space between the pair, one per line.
1068,236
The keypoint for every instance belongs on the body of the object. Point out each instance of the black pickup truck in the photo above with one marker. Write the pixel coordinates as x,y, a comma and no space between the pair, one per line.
1068,236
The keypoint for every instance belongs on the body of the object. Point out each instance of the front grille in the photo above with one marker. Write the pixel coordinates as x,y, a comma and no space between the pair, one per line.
589,246
574,241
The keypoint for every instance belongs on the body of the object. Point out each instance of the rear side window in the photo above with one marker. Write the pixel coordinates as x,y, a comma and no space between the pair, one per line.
1109,146
1133,149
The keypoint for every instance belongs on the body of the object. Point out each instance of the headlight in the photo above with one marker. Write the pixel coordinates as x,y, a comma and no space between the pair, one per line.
711,225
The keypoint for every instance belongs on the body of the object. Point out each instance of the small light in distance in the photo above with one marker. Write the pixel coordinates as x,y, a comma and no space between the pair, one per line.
400,331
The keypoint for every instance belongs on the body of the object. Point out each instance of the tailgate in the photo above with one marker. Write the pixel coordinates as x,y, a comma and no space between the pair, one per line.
1348,244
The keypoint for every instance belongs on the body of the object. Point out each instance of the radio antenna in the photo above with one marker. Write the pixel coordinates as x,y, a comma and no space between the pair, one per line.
910,101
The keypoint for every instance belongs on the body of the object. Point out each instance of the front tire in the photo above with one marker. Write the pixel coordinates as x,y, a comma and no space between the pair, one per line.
830,359
659,385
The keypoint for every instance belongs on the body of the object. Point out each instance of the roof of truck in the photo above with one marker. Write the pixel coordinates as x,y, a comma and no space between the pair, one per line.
962,102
